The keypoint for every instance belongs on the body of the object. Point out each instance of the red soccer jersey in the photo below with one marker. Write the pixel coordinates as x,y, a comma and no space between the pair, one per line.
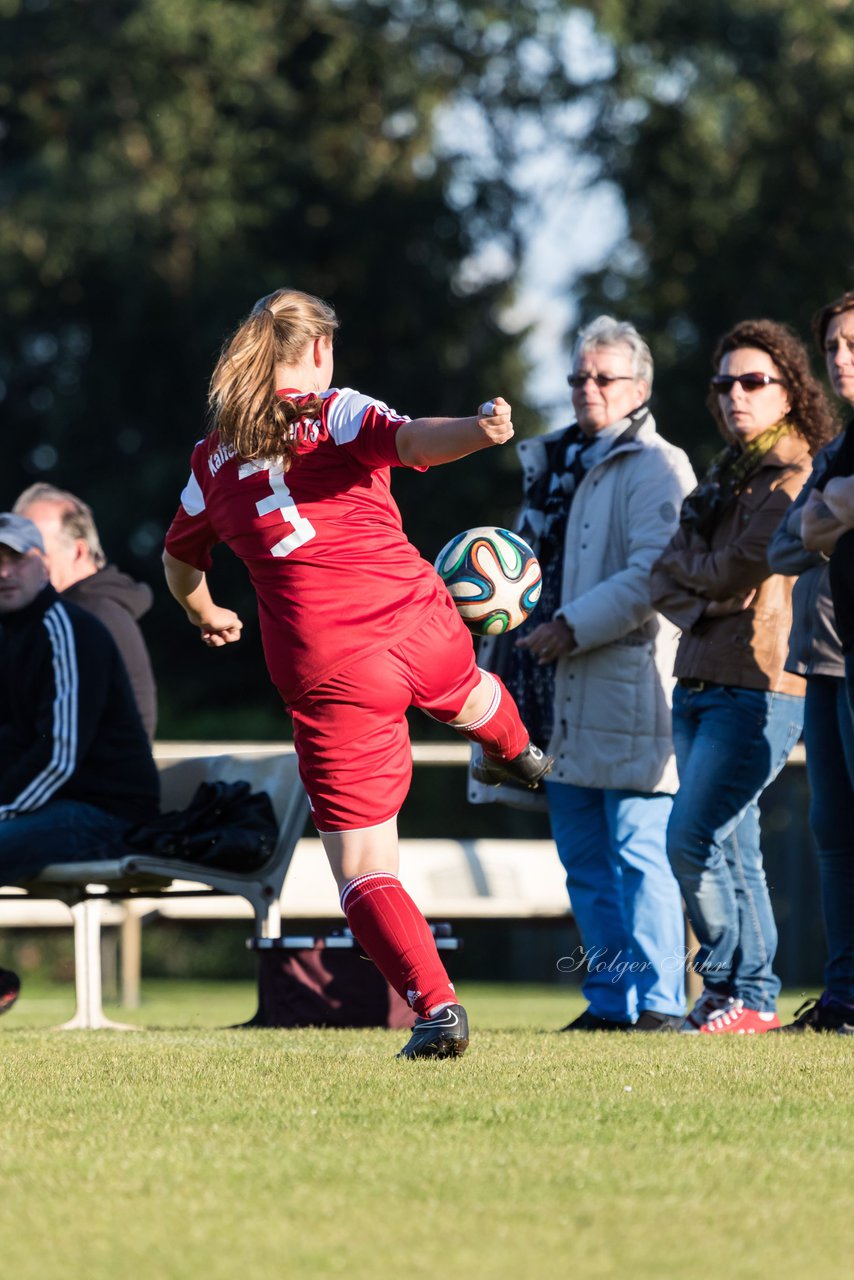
335,575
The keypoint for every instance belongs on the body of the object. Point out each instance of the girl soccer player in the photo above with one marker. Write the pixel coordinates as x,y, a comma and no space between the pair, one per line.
294,476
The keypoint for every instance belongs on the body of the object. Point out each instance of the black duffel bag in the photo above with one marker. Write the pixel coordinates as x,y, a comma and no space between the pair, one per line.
225,826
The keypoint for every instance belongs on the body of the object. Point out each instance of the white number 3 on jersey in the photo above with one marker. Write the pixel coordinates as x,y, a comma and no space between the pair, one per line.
280,500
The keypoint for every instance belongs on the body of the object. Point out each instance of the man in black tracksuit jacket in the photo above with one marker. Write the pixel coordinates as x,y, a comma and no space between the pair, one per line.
75,763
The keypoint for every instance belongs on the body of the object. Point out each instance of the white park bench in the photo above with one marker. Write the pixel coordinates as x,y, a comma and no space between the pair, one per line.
450,879
87,888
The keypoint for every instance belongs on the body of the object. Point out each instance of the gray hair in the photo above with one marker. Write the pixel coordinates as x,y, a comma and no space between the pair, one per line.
76,520
605,331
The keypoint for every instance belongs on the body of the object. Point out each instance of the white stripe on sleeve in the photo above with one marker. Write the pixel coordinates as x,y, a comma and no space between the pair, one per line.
192,498
61,765
347,412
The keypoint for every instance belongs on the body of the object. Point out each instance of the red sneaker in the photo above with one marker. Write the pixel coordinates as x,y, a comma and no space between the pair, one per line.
709,1005
741,1021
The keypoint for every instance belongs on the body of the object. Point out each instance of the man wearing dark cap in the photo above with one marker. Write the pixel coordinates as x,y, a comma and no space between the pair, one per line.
75,764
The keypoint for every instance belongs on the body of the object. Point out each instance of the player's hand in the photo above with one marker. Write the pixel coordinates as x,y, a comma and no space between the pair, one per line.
549,641
495,421
219,627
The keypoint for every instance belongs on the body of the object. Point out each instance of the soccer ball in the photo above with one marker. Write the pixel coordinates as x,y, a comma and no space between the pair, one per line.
493,576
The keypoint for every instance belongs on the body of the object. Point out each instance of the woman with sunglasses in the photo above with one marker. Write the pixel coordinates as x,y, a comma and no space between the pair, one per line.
737,712
815,541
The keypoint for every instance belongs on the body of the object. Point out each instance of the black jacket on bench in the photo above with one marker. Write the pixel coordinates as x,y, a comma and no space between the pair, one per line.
69,724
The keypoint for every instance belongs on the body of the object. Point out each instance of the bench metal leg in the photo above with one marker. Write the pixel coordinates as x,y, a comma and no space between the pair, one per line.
131,951
268,920
87,971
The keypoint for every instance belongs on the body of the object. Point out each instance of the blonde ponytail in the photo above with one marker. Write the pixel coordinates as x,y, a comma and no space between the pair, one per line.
245,411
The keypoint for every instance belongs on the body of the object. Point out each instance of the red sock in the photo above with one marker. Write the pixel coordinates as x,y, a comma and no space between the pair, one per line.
392,931
499,730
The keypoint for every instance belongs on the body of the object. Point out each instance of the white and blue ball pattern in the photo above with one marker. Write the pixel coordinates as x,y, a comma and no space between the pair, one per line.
493,576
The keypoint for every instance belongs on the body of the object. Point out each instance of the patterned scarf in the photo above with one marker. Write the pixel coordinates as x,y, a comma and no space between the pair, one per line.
727,475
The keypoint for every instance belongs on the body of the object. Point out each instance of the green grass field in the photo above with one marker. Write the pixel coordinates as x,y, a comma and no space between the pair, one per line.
191,1151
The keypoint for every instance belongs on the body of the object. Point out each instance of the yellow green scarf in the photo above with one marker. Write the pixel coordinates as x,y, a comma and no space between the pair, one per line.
727,475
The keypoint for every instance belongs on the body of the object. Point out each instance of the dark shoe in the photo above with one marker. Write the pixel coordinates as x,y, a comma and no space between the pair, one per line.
588,1021
649,1020
823,1015
10,986
446,1035
529,768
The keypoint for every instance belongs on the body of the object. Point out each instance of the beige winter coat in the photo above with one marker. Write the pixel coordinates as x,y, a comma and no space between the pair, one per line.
613,692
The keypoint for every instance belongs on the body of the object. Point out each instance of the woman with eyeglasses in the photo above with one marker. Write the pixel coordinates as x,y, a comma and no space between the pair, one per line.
816,542
592,670
737,712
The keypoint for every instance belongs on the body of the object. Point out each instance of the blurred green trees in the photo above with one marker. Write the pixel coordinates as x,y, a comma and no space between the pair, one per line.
165,162
727,126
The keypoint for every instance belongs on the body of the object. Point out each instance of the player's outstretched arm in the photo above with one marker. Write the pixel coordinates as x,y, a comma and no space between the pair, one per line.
189,586
427,442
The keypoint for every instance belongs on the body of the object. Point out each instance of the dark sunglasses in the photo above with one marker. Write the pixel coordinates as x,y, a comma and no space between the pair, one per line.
723,382
576,380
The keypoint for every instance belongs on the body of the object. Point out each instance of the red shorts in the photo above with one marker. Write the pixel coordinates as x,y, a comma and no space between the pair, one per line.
351,734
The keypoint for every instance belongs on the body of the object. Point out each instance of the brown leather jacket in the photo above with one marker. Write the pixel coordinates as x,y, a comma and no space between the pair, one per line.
746,649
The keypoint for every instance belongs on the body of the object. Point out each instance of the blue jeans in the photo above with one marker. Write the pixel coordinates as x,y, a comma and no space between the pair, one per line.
829,742
624,899
730,744
60,831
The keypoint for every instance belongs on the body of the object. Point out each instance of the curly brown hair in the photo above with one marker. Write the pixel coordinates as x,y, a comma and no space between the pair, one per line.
245,410
811,413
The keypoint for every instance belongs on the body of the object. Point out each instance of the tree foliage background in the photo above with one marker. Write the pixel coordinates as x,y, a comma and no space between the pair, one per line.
165,162
728,127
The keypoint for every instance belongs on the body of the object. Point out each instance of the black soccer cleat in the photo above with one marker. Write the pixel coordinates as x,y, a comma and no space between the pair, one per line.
444,1036
10,986
528,768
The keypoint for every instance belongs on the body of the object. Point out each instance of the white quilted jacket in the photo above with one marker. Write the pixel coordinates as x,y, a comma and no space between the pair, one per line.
613,693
